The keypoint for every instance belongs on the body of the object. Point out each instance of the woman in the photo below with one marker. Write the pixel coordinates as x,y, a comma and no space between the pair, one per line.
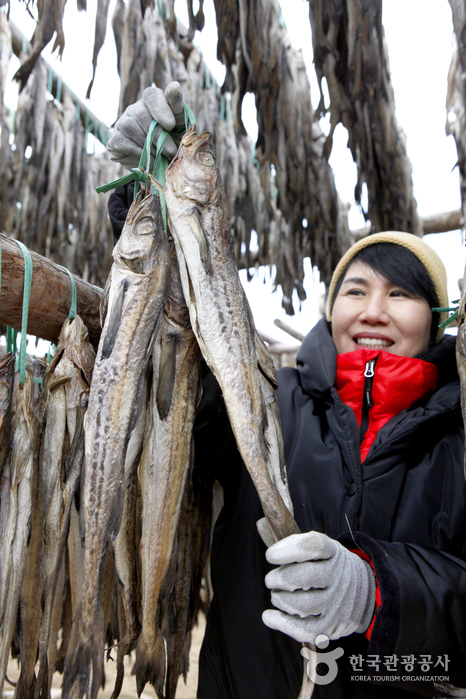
374,444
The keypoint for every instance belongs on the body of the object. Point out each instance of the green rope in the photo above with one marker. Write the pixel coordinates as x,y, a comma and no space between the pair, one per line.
11,335
72,312
451,318
50,81
24,319
59,84
189,118
139,174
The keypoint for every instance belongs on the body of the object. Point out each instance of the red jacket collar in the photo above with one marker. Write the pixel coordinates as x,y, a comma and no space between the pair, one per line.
398,382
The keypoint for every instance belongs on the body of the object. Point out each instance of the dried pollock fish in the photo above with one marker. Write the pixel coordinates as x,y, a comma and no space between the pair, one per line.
135,293
164,471
219,311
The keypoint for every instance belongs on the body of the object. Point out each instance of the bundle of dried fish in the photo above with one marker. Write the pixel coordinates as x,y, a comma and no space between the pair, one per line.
135,297
20,506
164,471
66,389
350,53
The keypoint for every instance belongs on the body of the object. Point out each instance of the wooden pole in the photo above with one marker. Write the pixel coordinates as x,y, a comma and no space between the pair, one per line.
288,329
50,295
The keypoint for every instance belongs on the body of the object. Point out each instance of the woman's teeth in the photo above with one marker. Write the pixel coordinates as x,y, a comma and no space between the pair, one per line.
373,342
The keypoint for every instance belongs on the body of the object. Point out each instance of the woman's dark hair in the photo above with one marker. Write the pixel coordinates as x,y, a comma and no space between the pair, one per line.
401,267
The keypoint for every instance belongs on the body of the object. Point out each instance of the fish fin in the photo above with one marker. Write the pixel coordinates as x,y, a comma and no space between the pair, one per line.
114,323
73,461
57,383
154,181
41,690
84,663
167,372
150,664
265,362
195,223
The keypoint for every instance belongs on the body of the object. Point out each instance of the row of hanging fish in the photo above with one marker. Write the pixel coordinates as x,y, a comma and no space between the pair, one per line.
116,515
48,179
283,190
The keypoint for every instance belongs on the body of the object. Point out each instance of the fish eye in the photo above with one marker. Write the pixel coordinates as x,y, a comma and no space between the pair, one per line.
206,157
145,226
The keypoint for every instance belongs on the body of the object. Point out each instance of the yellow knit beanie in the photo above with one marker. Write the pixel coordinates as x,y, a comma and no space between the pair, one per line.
423,252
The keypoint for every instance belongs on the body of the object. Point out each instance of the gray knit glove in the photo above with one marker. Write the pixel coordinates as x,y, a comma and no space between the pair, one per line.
320,588
130,131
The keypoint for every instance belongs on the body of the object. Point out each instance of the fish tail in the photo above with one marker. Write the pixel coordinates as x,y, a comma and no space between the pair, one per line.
150,664
84,663
25,688
41,690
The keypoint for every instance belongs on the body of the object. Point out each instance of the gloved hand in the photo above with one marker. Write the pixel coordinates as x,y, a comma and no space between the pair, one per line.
319,588
130,131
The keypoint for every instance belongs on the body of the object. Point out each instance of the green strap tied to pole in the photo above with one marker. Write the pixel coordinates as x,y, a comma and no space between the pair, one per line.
73,305
24,319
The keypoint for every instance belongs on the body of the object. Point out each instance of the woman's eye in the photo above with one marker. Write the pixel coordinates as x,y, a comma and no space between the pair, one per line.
399,292
355,292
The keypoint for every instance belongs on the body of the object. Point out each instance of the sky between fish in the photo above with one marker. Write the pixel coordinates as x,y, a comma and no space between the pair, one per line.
419,39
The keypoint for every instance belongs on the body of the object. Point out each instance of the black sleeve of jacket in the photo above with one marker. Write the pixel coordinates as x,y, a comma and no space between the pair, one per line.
118,206
422,611
213,436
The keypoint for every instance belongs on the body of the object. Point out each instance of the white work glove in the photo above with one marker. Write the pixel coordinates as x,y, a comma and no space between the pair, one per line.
129,134
319,588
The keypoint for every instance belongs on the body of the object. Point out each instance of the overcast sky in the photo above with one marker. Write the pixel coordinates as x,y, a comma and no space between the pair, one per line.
419,39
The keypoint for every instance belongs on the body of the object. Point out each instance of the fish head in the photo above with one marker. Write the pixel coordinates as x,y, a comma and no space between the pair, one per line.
142,235
193,173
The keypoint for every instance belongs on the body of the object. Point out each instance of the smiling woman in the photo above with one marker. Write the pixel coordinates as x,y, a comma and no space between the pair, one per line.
372,312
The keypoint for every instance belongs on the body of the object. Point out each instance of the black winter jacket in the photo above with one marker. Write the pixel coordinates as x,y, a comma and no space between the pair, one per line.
405,507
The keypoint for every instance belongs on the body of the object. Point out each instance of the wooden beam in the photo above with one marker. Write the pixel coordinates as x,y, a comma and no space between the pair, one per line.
442,223
288,329
439,223
50,295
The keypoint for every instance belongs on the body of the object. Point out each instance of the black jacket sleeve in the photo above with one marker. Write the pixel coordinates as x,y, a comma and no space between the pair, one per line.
421,615
118,206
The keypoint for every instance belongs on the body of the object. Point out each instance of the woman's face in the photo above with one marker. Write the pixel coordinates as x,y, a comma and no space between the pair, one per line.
372,313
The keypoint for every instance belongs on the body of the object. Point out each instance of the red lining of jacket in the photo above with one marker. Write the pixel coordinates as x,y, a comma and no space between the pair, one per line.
398,383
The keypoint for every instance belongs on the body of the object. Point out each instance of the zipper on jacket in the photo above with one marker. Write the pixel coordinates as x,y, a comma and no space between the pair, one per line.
369,372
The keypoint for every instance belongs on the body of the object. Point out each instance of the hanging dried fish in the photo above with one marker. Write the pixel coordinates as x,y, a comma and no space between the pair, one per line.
219,311
135,297
7,373
50,21
66,391
164,471
17,486
99,37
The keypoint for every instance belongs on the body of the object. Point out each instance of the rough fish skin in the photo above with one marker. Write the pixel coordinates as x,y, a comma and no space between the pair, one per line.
16,500
136,290
220,314
163,474
29,603
7,373
124,544
66,391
